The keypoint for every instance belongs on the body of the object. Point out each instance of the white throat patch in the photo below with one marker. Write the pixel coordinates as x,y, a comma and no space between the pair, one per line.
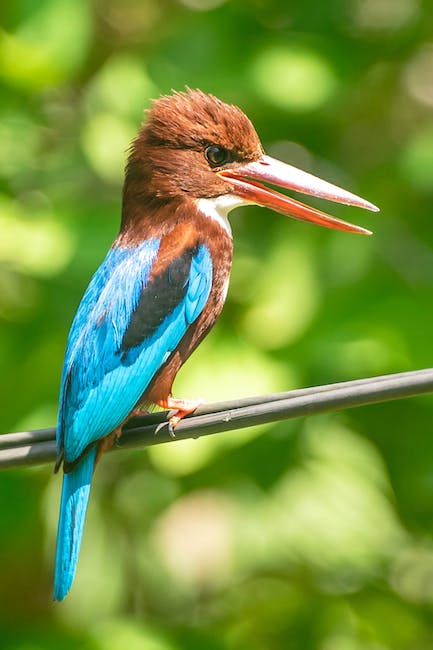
218,208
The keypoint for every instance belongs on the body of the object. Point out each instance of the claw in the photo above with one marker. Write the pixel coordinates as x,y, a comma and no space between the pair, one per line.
171,426
182,407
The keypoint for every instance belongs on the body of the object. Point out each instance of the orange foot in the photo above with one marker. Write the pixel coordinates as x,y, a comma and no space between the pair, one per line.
182,406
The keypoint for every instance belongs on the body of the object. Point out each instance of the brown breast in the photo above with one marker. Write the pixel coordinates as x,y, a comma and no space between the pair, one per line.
220,245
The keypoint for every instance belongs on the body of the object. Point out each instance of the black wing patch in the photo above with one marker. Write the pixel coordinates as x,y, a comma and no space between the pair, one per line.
158,299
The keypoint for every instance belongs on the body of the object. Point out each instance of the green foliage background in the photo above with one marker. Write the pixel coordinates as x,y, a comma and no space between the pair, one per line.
314,534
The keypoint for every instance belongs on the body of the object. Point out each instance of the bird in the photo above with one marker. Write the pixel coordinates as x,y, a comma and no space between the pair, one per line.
164,281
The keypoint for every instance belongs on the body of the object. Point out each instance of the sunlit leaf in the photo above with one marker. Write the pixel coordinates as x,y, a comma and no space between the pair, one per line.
105,140
293,77
48,45
417,159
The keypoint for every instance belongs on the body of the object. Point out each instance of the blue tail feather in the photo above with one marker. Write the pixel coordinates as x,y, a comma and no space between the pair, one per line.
73,507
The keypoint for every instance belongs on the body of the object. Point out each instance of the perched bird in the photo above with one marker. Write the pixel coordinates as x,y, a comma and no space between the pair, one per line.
163,282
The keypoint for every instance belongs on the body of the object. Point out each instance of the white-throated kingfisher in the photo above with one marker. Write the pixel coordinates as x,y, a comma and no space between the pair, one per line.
163,282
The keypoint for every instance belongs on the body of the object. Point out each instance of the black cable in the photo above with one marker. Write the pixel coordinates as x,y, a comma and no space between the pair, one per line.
36,447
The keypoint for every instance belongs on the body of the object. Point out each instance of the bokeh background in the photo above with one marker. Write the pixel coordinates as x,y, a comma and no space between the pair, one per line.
313,534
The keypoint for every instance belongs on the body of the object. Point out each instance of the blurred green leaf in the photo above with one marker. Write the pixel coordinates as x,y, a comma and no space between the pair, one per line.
417,159
49,45
295,78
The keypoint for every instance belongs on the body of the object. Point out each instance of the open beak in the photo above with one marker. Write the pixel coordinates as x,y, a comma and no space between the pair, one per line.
244,182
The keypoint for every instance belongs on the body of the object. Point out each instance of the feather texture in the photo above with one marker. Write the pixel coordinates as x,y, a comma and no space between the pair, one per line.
121,343
73,507
132,317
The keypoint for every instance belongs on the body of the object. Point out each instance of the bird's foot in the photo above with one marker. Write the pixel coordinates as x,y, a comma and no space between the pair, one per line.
182,407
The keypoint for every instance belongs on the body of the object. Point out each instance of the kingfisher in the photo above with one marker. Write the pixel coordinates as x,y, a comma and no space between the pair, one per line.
163,282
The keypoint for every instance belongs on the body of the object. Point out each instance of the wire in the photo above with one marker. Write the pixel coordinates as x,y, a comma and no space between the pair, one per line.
37,447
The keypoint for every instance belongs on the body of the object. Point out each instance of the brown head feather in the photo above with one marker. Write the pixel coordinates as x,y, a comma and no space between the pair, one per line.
167,159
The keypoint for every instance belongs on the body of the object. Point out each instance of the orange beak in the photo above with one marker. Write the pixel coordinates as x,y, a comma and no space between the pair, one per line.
244,179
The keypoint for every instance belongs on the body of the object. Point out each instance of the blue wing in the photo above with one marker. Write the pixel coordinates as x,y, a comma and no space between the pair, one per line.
126,327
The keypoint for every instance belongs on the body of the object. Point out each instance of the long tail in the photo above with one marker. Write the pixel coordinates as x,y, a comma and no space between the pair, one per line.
73,507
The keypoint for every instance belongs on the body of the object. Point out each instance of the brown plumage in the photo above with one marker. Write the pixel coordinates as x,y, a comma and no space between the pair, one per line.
167,162
166,174
164,282
220,246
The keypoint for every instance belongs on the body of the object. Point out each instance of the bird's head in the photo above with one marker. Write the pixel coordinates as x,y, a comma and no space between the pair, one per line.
194,146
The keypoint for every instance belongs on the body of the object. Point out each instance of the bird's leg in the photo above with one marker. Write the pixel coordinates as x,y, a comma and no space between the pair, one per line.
113,438
181,406
107,442
137,412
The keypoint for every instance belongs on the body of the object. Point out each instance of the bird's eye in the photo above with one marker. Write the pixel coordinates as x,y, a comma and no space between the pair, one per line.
217,156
